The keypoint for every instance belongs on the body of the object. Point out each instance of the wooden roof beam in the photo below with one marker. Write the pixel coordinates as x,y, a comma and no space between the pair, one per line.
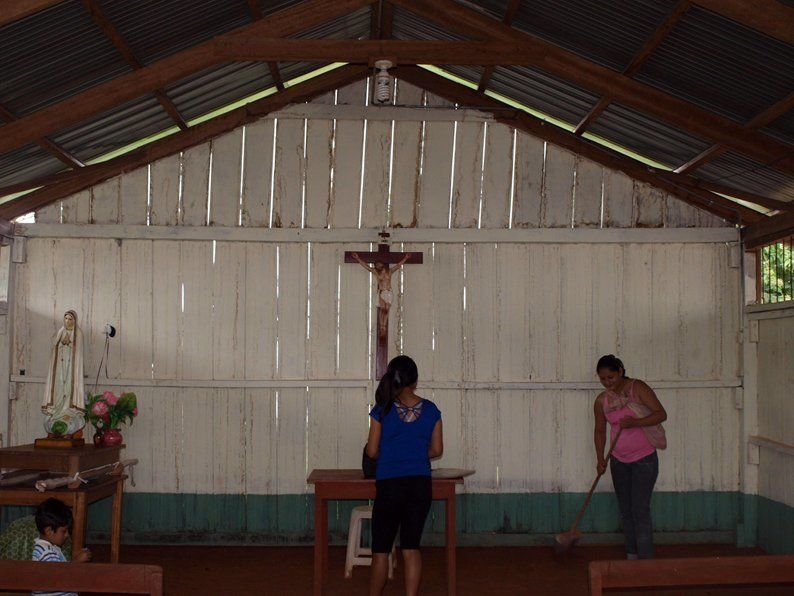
180,141
599,79
769,115
771,17
677,186
507,19
639,59
163,72
46,144
256,15
768,230
723,189
13,10
117,40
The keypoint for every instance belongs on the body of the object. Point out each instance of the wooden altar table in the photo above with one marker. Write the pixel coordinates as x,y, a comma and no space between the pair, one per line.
333,485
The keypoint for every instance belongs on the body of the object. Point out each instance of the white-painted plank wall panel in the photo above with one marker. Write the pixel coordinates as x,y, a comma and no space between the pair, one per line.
167,309
319,145
406,165
165,191
587,194
435,181
257,172
345,205
618,202
135,324
228,311
466,183
558,188
105,202
195,185
288,174
497,174
377,160
134,197
77,208
530,158
261,309
196,358
292,311
226,169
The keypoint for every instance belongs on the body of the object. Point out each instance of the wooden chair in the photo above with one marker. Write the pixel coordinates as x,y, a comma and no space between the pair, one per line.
81,577
698,571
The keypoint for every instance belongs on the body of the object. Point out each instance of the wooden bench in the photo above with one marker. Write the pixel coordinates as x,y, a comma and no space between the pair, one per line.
81,577
697,571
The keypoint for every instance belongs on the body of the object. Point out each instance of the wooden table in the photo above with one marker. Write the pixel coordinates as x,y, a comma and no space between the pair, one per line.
68,461
332,485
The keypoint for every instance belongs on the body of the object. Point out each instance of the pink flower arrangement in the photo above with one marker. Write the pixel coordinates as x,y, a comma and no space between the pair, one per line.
108,410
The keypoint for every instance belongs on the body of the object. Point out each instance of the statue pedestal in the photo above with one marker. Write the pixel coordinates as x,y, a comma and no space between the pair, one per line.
58,443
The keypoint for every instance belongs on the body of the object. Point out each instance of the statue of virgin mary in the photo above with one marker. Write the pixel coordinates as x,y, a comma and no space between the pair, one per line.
64,394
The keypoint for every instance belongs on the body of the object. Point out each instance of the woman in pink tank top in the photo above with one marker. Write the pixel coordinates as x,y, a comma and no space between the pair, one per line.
634,464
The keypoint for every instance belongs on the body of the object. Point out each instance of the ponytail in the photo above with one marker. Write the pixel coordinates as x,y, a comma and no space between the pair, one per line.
611,362
400,373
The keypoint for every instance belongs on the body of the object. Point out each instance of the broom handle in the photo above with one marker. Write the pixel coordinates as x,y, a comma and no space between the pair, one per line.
595,482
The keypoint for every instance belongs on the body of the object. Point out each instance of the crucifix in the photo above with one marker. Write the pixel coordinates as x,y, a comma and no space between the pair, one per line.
382,264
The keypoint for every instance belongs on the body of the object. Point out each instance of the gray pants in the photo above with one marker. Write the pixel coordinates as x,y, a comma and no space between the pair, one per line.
633,486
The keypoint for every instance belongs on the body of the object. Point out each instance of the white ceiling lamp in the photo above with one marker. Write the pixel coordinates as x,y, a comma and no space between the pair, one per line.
383,80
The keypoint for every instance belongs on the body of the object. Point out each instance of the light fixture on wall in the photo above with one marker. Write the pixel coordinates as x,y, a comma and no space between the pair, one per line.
383,81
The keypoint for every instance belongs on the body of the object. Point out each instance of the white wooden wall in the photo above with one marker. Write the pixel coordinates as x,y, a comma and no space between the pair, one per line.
208,329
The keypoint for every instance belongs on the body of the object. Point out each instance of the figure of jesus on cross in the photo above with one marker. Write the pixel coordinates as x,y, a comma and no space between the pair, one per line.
384,263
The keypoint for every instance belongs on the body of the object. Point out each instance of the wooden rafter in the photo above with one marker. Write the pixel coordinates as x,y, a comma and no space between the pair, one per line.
507,19
769,115
768,230
46,144
600,79
724,189
256,14
195,135
13,10
771,17
639,59
117,40
382,21
678,186
163,72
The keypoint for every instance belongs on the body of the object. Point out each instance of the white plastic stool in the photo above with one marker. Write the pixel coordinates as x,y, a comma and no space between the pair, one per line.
357,554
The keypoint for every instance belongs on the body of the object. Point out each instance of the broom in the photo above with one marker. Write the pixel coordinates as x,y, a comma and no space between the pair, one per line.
563,542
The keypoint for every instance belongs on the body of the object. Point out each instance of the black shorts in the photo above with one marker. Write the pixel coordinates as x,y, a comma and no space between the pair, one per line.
404,503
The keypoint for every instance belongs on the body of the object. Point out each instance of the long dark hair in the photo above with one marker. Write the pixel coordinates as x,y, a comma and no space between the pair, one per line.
400,373
611,362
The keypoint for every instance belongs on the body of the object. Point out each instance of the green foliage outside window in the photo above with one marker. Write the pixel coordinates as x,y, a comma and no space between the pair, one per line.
777,271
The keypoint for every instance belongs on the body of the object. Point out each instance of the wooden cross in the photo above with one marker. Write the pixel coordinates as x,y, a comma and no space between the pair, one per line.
382,264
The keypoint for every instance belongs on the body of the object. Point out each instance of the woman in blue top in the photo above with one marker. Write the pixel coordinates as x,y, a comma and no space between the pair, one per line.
405,432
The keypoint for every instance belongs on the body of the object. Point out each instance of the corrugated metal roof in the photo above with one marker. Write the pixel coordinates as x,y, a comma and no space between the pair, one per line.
740,172
52,55
543,92
782,128
609,32
721,66
647,136
407,25
355,25
27,163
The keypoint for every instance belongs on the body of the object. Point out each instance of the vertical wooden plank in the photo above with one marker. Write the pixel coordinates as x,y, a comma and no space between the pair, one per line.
319,134
709,220
260,314
352,423
514,455
466,183
292,311
101,301
105,202
513,311
650,204
166,308
544,312
43,319
226,168
347,174
322,429
576,320
195,185
662,347
291,461
196,470
497,176
607,278
376,174
165,191
731,312
68,266
21,313
451,404
587,194
557,203
228,311
228,407
408,139
49,214
698,334
135,324
197,348
134,197
77,208
448,292
417,313
480,440
577,455
636,310
354,94
407,94
480,315
680,214
257,171
289,173
618,202
545,444
261,442
321,341
437,101
434,184
355,308
530,154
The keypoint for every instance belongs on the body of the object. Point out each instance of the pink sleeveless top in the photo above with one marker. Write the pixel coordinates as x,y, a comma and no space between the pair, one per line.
633,444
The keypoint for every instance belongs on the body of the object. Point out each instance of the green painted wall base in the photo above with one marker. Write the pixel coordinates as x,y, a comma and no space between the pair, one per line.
517,518
775,527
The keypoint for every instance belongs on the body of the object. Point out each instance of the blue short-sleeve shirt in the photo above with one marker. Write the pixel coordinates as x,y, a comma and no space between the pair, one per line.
404,445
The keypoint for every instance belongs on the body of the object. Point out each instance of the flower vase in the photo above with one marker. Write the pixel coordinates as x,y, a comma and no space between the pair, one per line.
111,437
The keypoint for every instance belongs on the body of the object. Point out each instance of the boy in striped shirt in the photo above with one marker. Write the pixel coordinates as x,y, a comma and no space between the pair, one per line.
53,520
